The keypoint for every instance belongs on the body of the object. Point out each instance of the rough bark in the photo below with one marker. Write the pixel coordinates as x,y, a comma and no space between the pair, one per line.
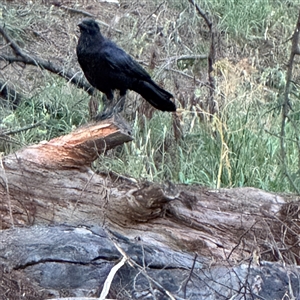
62,223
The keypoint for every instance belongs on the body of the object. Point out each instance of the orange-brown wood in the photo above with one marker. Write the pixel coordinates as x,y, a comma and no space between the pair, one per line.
80,147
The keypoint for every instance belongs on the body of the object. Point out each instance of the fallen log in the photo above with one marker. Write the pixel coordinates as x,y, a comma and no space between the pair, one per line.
62,225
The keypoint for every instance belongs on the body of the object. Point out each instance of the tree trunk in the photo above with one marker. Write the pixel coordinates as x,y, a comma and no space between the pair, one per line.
64,227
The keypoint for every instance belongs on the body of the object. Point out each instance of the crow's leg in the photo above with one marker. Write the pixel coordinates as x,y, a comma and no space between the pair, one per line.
105,101
93,107
121,102
108,100
108,109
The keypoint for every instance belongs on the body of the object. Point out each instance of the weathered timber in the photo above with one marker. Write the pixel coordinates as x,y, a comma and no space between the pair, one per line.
47,262
61,223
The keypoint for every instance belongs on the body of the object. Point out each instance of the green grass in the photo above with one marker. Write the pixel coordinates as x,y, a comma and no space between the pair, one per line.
56,109
240,147
251,19
235,150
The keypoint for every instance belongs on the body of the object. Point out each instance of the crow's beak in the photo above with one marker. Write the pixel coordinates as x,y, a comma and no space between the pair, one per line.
82,26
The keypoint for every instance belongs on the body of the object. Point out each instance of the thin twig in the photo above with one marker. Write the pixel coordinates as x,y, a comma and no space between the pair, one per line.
85,13
278,136
286,104
9,140
74,78
21,129
132,263
77,11
211,286
7,193
185,57
110,277
201,13
175,59
190,275
211,60
148,17
81,193
186,75
240,240
12,43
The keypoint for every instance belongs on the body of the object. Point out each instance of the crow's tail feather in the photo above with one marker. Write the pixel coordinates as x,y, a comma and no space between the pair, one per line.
155,95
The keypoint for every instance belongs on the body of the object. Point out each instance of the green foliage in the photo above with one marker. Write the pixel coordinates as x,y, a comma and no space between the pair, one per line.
149,154
236,150
240,147
246,20
251,19
56,109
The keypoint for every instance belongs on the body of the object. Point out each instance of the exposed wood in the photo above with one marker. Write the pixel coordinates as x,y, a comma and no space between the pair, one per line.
46,262
79,148
52,183
166,225
218,224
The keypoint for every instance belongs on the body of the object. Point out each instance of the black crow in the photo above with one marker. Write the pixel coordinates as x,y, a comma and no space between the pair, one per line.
107,67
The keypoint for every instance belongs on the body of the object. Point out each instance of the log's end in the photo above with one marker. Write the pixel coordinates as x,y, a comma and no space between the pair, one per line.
80,147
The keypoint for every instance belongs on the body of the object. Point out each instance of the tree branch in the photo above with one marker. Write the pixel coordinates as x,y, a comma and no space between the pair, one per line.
23,57
12,43
172,59
202,14
286,104
21,129
211,60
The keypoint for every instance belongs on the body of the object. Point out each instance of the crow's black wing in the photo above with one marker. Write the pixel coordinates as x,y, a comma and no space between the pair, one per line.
120,61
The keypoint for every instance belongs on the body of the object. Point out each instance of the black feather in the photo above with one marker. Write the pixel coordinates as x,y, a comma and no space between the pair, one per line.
107,67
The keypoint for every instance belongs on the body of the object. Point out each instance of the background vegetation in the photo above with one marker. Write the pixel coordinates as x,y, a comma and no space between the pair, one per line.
239,146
